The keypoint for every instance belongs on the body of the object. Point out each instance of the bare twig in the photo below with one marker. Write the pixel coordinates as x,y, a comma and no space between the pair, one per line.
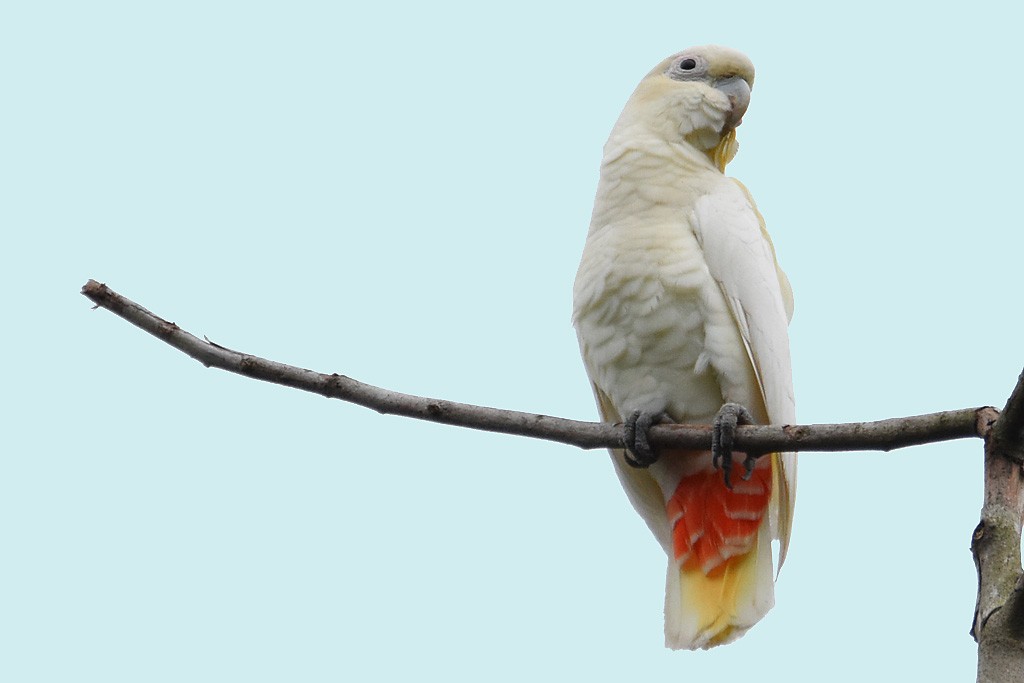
881,435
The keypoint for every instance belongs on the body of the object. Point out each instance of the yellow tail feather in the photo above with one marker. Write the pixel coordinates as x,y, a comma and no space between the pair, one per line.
702,612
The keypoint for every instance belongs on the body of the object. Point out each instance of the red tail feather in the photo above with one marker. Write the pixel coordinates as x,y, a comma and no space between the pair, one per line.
710,523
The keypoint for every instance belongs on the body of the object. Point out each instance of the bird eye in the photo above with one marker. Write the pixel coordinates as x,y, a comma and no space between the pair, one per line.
688,64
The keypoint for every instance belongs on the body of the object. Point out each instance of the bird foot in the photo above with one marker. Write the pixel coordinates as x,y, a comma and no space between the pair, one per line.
638,448
723,433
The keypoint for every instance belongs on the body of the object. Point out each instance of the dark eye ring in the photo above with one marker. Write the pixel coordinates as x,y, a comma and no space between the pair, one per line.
688,64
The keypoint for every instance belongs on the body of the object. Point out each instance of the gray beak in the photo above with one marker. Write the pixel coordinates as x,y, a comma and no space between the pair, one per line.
738,92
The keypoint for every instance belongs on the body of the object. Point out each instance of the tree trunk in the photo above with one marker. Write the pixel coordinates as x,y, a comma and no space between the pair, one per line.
999,614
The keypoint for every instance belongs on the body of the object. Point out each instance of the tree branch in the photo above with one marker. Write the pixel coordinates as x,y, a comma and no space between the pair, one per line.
999,614
882,435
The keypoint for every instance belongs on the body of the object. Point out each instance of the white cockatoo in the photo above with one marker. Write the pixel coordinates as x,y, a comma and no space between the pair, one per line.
680,308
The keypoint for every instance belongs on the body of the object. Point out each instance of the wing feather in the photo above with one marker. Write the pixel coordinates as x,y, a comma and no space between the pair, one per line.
741,259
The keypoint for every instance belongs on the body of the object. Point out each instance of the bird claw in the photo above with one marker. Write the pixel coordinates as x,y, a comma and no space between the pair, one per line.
723,432
639,453
748,466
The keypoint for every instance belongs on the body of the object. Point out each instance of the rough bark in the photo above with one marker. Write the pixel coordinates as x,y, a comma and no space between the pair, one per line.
999,614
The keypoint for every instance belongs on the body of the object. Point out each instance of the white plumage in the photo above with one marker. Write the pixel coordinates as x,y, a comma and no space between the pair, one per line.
680,307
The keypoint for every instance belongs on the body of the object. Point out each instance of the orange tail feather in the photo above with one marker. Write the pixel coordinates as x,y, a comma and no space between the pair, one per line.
711,524
720,582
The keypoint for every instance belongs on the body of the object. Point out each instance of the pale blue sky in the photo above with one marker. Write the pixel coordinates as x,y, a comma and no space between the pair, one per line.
400,193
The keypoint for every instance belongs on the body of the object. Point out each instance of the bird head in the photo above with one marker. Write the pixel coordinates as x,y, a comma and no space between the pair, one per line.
698,95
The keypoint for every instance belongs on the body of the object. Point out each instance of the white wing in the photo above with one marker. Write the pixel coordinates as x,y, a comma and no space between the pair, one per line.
741,259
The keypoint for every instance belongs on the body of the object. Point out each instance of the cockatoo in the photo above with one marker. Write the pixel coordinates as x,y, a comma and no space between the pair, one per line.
681,311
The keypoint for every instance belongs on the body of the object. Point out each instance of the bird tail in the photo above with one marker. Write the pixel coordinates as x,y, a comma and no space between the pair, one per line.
721,578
